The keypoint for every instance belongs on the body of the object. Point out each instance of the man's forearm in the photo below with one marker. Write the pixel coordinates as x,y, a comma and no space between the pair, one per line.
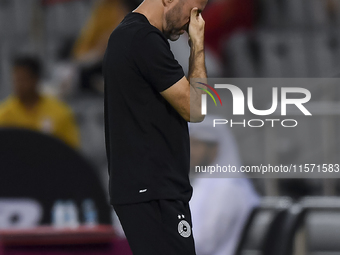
197,72
197,62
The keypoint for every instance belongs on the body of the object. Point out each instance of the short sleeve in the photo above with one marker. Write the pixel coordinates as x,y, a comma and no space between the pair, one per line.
153,57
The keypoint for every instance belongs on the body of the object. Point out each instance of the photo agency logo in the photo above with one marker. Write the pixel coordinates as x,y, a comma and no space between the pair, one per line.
239,99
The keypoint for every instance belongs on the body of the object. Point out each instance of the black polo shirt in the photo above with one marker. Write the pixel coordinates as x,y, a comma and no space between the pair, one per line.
147,141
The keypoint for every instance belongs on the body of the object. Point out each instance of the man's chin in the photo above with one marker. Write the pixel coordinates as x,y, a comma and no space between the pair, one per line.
174,37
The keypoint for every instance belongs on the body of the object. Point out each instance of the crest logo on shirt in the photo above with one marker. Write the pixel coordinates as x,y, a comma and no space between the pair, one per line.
47,125
184,228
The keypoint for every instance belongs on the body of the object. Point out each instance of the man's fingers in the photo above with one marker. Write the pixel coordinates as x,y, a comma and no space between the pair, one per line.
196,27
195,15
194,12
201,18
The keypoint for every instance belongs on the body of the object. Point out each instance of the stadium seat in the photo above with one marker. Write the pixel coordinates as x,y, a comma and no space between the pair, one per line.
322,225
318,219
260,233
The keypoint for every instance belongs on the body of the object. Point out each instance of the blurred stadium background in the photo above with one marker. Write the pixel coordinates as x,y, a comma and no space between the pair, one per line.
288,39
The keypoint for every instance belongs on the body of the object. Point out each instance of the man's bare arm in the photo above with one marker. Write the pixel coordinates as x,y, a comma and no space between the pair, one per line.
185,96
197,69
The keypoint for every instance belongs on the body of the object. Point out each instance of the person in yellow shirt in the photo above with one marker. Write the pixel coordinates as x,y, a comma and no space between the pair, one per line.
90,46
27,108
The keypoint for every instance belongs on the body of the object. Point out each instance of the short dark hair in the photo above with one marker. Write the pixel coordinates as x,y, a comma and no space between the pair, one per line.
30,62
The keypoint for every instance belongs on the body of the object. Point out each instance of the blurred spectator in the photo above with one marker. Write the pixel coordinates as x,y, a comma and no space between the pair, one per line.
64,76
27,108
90,47
331,7
224,17
219,206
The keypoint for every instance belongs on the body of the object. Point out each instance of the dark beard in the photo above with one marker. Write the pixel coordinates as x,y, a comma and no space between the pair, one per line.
171,20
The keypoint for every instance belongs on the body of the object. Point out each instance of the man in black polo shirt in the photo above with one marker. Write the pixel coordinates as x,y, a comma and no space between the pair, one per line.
148,102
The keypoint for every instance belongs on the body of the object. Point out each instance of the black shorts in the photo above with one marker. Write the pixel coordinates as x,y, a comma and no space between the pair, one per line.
158,227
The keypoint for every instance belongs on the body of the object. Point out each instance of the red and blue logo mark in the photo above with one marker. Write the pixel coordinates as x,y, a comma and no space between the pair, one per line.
213,90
